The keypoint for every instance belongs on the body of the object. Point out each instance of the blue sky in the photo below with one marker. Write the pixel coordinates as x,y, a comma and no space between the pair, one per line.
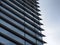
50,10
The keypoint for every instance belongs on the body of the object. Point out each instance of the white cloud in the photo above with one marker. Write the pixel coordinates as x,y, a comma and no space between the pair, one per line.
51,19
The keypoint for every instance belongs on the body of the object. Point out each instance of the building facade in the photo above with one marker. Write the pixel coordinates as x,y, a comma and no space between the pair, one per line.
19,23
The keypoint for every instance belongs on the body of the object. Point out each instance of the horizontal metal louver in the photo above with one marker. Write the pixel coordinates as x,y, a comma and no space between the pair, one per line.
19,23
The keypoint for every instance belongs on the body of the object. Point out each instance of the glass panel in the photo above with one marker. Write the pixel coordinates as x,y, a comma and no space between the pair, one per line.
11,27
30,38
28,43
29,25
12,20
11,35
5,42
39,43
29,31
37,30
39,37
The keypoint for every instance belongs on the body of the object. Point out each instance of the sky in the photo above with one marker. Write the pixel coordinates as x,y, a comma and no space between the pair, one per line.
50,13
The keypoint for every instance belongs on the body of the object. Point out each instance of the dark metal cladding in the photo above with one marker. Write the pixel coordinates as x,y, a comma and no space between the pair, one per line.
20,23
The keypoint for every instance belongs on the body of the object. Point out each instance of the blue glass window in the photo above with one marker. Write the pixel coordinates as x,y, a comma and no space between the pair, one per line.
11,35
5,41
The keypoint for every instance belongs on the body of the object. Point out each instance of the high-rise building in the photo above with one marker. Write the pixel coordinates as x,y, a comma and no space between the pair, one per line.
20,23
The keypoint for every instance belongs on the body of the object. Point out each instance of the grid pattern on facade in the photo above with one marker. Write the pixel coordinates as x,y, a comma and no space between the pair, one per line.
20,23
